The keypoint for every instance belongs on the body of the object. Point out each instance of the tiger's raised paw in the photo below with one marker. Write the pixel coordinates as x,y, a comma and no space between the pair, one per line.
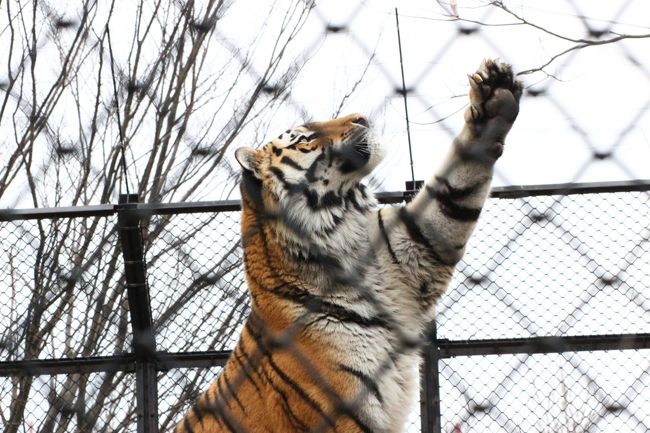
494,104
493,92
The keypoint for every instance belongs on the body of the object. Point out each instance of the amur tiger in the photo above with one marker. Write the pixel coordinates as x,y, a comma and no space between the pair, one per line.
342,292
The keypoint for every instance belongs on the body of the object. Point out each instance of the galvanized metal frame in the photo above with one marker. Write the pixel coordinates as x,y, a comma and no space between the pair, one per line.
145,361
144,341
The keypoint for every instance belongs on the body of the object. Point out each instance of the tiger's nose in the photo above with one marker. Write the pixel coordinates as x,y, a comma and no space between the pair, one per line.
360,119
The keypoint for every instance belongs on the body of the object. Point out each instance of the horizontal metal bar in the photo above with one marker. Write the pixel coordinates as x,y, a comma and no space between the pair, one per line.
518,191
512,346
388,197
213,358
57,212
447,349
38,367
189,207
392,197
127,362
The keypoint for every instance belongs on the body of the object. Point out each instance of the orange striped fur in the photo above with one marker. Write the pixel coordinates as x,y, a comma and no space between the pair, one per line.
342,293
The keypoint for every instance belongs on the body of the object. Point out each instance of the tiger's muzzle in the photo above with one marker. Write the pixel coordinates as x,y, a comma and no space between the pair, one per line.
354,151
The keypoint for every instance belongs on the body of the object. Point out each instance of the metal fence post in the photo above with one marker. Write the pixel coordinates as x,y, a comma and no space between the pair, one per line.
430,385
144,344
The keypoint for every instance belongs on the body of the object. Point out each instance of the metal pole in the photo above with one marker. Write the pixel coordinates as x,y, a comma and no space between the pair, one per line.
144,344
406,106
430,385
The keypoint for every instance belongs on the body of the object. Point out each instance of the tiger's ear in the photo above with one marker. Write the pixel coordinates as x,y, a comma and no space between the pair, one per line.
247,158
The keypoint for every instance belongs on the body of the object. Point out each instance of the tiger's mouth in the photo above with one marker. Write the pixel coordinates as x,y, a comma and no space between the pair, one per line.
355,150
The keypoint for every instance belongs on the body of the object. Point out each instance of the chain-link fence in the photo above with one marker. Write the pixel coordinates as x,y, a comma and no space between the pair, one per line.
114,317
340,57
119,315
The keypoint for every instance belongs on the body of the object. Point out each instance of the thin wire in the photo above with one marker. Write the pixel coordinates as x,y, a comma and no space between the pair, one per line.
119,118
406,107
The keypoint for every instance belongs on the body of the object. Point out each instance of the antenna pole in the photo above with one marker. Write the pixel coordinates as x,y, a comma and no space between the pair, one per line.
406,107
117,111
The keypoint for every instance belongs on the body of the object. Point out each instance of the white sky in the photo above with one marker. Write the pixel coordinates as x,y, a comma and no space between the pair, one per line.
599,101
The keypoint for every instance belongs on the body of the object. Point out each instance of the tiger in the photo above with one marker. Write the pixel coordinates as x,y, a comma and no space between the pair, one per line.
342,292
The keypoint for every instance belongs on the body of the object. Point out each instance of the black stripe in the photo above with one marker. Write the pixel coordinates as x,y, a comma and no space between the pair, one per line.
222,403
290,187
363,190
285,378
315,202
384,235
342,407
331,199
451,209
246,370
208,400
302,138
458,193
351,197
368,381
295,421
345,409
187,425
416,235
311,171
342,314
327,231
280,175
317,305
291,163
251,188
222,395
317,258
232,392
223,420
428,289
460,213
249,369
198,412
312,198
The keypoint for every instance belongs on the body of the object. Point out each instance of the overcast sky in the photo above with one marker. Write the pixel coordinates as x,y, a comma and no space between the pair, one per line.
591,101
596,102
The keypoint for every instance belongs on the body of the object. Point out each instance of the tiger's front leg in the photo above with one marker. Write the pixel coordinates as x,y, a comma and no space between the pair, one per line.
427,237
445,211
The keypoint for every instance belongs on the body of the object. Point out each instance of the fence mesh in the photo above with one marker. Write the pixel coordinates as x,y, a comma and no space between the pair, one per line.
539,266
566,392
69,403
207,283
64,294
553,266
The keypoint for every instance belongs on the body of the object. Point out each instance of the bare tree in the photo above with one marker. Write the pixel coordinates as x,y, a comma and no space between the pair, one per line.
143,97
594,38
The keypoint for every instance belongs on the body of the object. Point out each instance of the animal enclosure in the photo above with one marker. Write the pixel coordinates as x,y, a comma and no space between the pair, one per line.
118,315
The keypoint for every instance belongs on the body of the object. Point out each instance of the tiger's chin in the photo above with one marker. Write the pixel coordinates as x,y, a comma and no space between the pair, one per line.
360,154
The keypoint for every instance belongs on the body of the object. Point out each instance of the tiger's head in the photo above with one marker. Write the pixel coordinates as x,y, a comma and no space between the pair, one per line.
310,166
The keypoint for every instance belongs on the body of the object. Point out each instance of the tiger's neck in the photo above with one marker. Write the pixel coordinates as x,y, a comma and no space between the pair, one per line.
320,234
327,227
